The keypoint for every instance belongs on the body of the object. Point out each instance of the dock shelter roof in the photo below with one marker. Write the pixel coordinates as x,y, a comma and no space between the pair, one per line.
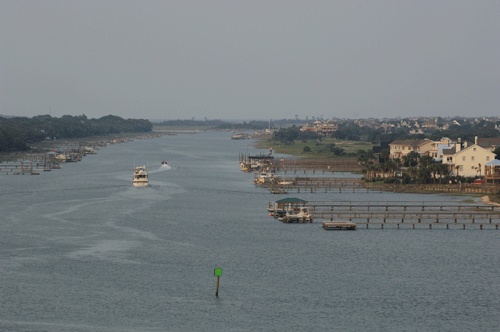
291,200
494,162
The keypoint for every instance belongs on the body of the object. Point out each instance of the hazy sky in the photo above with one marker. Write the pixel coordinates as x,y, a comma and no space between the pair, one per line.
250,59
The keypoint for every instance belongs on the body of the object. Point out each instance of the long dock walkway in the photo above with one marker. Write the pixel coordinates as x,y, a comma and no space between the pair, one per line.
330,165
408,216
399,206
436,225
398,213
404,211
314,184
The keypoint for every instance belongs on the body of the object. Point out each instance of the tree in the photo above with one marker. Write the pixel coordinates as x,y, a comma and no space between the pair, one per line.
425,161
376,169
384,154
337,151
398,163
497,153
17,132
424,174
362,158
411,159
443,171
412,172
391,167
433,169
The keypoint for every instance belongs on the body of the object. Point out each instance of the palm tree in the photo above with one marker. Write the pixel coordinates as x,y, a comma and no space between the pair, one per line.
423,174
411,159
442,170
369,170
391,166
426,161
433,168
363,159
412,171
398,163
384,168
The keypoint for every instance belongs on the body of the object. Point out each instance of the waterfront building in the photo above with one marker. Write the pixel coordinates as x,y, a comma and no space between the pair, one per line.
469,161
400,148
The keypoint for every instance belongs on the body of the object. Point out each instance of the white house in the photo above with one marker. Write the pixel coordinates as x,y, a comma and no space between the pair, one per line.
469,161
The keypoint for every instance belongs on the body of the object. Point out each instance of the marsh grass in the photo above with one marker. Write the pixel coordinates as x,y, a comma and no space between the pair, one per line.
319,149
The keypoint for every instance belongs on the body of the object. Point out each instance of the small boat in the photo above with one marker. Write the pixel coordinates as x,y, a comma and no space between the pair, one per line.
164,163
141,176
264,178
297,215
241,136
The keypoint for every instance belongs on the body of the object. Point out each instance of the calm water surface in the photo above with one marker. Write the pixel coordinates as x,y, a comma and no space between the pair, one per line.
81,249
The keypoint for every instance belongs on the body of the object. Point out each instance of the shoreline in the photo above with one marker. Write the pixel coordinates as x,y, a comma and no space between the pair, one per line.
46,146
489,195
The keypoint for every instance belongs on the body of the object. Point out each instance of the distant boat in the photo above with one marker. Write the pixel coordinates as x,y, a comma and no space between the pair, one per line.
164,163
240,136
141,176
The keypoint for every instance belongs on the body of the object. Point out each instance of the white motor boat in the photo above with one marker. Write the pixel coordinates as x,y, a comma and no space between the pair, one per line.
141,176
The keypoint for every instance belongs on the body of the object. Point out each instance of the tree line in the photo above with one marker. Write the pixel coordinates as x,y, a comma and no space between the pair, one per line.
348,130
216,124
18,132
290,134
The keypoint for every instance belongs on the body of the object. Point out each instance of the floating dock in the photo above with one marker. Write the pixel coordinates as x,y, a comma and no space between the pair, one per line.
339,225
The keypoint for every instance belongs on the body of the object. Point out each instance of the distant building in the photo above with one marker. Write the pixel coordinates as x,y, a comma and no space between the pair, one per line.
321,127
400,148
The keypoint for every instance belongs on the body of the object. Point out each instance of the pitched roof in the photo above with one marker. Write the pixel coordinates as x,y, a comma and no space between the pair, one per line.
411,142
449,151
474,146
488,142
291,200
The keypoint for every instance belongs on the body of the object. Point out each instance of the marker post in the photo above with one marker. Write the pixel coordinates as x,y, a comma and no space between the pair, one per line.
217,273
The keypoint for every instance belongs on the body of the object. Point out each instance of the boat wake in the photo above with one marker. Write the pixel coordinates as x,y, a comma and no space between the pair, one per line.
162,168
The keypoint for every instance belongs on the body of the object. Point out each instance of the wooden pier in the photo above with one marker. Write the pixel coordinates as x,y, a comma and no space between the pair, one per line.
439,188
306,184
399,206
22,168
440,214
316,165
438,225
473,216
